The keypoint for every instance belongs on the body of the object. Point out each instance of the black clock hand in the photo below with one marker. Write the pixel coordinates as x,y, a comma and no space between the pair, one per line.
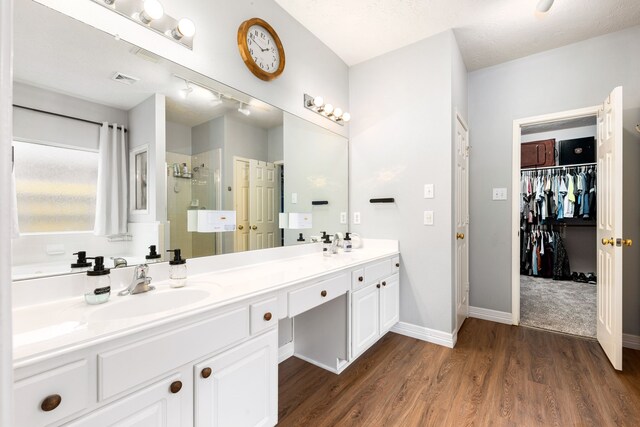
261,48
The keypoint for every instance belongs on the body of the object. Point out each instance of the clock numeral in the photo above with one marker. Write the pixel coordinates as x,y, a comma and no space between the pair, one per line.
255,59
272,64
251,51
274,57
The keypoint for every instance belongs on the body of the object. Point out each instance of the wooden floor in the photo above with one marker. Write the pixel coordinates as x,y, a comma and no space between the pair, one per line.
497,375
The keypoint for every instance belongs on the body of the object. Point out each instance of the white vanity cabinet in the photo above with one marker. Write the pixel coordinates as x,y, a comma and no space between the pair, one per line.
239,387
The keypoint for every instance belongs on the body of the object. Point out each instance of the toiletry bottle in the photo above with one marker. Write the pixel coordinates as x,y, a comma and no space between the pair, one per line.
346,243
326,246
97,285
81,263
185,169
153,256
177,270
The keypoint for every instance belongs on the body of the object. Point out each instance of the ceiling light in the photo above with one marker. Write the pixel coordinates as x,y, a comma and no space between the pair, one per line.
151,9
185,28
243,110
544,6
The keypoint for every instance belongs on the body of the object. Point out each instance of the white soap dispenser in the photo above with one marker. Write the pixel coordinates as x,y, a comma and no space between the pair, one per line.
326,246
97,285
177,270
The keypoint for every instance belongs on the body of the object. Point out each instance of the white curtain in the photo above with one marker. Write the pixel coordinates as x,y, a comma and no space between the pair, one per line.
112,196
15,229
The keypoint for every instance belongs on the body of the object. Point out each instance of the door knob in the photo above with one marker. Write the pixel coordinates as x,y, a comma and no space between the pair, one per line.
240,227
606,242
627,242
254,227
459,235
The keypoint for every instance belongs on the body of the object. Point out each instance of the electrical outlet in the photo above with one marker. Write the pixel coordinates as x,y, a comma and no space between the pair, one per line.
356,217
343,217
428,191
294,198
428,217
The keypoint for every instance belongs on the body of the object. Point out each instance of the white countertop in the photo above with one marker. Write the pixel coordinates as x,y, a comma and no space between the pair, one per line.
59,326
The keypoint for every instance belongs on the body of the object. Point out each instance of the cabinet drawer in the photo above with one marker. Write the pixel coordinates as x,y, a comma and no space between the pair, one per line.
128,366
264,314
67,385
357,279
314,295
376,271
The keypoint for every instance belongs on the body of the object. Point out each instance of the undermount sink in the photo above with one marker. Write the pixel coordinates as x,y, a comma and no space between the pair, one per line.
147,303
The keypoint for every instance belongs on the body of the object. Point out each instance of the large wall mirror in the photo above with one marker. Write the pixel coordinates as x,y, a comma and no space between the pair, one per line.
118,149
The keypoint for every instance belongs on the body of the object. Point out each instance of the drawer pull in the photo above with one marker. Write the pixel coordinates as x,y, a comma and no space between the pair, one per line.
206,373
360,279
267,316
384,283
323,293
378,286
175,387
51,402
397,264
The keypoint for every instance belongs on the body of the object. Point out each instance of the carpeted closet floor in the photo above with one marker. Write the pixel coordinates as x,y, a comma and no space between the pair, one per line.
564,306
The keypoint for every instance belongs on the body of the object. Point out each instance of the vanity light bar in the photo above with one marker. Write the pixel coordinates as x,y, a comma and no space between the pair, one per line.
150,14
317,105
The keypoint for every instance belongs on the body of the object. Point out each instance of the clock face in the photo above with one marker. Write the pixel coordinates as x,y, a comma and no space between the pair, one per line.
263,49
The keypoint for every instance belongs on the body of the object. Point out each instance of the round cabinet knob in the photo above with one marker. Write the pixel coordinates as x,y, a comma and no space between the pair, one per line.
397,264
51,402
459,235
267,316
360,279
384,283
254,227
241,227
206,373
175,387
378,286
323,293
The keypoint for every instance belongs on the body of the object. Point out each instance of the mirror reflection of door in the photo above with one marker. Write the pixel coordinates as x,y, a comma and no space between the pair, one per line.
241,203
263,205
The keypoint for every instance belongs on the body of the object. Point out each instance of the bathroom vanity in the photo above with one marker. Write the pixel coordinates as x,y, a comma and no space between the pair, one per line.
203,355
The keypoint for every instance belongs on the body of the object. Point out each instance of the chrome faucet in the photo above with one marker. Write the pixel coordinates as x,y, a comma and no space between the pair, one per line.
119,262
140,282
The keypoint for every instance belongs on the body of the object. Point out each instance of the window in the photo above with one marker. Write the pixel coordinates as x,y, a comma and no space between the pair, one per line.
56,188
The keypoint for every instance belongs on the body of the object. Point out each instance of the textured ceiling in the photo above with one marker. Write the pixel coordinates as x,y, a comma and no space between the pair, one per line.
489,32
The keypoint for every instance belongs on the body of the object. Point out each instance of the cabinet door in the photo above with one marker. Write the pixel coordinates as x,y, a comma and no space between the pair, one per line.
365,320
163,404
239,387
389,303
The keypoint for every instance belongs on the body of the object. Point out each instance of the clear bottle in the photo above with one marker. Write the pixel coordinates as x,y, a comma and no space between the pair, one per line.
326,246
97,285
177,270
346,243
153,256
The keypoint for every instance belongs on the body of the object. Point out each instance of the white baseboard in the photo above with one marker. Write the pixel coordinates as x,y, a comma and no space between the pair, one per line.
285,352
631,341
446,339
318,364
492,315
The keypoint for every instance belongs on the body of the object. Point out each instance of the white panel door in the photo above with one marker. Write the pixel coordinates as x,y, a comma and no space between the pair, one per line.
609,194
241,389
365,318
241,204
389,303
461,207
263,204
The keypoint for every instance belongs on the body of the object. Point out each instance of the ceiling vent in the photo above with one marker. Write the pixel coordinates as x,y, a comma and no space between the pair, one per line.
146,55
123,78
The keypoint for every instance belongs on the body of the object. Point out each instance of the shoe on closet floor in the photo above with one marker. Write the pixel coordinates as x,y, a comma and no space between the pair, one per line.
592,279
582,278
574,276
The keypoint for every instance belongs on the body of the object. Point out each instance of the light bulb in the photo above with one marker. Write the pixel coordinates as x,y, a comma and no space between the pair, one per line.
318,101
544,6
151,9
337,113
328,109
185,28
346,117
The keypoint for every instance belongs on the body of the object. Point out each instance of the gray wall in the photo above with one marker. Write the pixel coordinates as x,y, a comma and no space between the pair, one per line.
275,136
401,139
178,138
575,76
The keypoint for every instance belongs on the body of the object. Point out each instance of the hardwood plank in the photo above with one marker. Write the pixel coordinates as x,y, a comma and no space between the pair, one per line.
497,375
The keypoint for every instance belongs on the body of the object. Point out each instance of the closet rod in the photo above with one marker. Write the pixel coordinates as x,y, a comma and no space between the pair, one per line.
577,165
64,116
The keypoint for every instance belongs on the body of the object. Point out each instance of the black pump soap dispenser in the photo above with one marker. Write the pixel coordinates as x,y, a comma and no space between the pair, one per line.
97,285
81,263
153,256
177,270
326,245
300,237
346,243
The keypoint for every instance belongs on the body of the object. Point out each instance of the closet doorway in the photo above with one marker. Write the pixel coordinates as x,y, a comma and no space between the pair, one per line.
552,231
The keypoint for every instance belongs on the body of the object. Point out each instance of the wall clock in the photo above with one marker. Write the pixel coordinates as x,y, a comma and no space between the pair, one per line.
261,49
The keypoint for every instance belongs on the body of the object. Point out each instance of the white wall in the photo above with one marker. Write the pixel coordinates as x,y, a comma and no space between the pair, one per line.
401,140
575,76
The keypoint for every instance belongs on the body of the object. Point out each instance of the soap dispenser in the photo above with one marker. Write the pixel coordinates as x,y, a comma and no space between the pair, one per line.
97,285
326,246
346,243
153,256
177,270
300,237
81,263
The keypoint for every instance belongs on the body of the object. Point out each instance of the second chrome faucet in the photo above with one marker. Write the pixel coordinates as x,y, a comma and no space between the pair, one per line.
140,282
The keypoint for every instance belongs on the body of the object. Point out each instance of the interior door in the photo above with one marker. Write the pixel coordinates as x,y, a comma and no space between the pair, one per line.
462,221
609,199
263,204
241,204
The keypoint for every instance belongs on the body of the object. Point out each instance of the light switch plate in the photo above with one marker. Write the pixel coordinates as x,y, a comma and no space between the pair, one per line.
343,217
499,194
428,217
294,198
428,191
356,217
